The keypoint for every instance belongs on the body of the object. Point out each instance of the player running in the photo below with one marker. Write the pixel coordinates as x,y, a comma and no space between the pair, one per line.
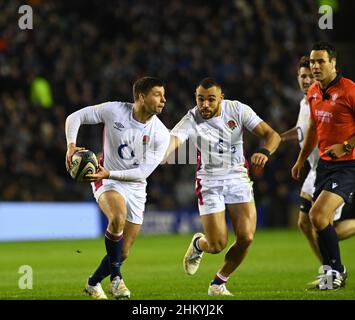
216,127
135,141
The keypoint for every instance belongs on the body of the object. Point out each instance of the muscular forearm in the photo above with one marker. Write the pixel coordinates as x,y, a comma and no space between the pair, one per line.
272,141
136,174
173,145
130,175
289,135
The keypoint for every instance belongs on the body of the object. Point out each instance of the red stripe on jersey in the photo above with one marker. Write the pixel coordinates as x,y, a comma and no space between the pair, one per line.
198,191
246,164
198,167
198,181
98,184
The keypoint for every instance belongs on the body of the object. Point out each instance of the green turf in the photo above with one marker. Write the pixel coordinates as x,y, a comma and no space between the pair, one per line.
277,267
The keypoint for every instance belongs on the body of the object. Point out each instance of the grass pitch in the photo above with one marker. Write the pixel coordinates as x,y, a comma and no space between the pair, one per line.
278,266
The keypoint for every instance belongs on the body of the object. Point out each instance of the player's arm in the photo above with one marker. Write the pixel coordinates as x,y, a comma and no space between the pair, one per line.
309,144
133,175
272,140
174,143
130,175
88,115
153,158
289,135
178,135
351,143
338,150
71,149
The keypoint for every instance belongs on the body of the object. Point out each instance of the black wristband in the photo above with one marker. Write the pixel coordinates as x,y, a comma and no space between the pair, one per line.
264,151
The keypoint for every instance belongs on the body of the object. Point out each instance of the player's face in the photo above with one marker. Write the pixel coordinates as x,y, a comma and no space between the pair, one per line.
305,79
154,101
321,66
209,101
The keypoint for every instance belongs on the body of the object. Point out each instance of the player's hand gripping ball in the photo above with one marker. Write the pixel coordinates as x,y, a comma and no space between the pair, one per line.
83,162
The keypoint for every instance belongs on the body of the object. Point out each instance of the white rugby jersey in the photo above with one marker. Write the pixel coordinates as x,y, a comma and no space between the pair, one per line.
131,149
302,128
219,140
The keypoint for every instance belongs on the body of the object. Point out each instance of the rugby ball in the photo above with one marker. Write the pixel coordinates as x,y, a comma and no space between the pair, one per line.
83,162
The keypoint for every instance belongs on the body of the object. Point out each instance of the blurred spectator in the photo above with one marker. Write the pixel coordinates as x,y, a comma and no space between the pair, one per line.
41,93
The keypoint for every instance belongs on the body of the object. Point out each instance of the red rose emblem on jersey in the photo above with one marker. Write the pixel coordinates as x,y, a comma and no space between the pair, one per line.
231,124
145,139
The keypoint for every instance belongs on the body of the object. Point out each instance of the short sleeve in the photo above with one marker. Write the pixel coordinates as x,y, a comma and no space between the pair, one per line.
248,117
183,128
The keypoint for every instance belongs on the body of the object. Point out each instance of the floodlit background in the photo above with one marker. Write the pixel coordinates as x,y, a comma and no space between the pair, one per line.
81,53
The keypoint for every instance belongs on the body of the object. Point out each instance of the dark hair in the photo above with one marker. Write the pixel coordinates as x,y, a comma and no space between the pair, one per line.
207,83
327,47
144,85
303,63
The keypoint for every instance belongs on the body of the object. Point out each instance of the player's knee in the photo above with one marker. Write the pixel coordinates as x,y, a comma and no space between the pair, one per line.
303,223
316,218
217,246
116,222
245,240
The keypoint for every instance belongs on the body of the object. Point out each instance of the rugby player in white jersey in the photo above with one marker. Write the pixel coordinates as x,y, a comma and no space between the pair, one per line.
216,127
344,228
135,142
305,79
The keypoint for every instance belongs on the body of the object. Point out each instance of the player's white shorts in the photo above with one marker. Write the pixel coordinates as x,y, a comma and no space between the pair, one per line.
134,196
308,187
338,212
308,184
214,194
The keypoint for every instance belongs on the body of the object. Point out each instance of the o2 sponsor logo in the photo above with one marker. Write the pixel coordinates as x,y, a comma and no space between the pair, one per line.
125,152
223,146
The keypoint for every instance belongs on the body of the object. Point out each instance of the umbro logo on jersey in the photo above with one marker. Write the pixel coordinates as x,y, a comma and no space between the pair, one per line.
118,125
334,185
205,130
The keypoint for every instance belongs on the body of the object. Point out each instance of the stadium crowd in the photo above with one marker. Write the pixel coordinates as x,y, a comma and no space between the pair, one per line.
83,53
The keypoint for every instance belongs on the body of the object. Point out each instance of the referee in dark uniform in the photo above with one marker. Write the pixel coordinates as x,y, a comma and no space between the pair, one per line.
332,126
